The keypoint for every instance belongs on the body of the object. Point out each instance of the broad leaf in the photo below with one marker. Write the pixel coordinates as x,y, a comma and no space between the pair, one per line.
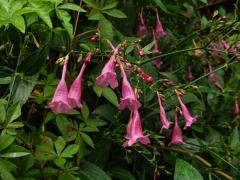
106,29
115,13
13,112
186,171
5,141
70,151
161,5
87,139
71,6
110,95
59,145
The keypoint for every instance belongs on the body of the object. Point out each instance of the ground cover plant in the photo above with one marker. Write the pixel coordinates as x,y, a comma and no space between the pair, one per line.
110,89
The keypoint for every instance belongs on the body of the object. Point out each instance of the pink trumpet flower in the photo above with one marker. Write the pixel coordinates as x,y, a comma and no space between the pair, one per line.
236,106
223,44
134,131
108,75
157,63
75,92
59,103
159,28
212,75
177,133
189,120
142,30
165,122
189,76
128,98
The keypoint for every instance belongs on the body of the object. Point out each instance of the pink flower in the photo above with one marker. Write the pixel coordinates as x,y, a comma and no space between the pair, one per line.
223,44
159,28
134,131
177,133
157,63
212,75
59,103
189,120
108,75
236,106
128,98
75,92
189,76
142,30
165,122
147,78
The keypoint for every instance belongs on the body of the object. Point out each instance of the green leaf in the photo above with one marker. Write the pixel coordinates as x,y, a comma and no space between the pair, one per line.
45,156
9,166
15,125
70,151
98,90
115,13
59,161
59,145
23,88
95,14
71,6
110,5
94,172
107,111
161,5
6,175
65,17
121,174
85,112
204,1
5,71
204,22
32,63
2,112
14,154
67,176
186,171
63,124
87,139
18,22
5,141
110,95
91,3
13,112
234,138
96,122
106,29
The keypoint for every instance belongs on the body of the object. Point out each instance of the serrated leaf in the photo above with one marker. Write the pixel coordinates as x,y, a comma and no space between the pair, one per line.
186,171
71,6
59,145
110,95
87,139
115,13
106,29
70,151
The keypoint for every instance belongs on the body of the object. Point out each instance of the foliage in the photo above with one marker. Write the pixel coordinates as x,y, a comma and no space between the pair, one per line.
86,143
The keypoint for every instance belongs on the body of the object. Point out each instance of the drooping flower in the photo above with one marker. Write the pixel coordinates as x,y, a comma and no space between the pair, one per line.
147,78
142,30
212,75
108,75
128,98
165,122
159,28
236,106
189,75
177,133
59,103
75,92
223,44
189,120
157,63
134,131
219,86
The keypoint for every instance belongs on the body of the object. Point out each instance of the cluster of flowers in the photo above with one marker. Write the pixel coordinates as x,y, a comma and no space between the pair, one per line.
157,33
63,100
